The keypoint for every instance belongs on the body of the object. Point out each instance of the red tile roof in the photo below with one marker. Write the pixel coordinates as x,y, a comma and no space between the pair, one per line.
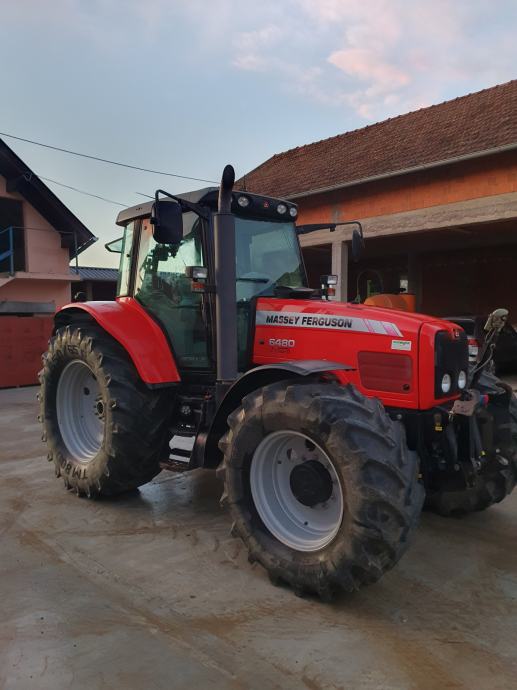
464,126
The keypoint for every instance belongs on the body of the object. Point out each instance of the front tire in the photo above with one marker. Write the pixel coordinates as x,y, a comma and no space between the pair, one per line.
104,429
344,514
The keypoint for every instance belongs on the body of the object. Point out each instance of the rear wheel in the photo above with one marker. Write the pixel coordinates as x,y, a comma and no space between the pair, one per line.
493,483
104,428
321,486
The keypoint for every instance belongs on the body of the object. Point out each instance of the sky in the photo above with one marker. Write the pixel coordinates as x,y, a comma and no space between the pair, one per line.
188,86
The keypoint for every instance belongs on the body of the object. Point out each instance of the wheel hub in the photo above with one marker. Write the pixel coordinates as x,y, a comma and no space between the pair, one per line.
80,411
296,490
311,483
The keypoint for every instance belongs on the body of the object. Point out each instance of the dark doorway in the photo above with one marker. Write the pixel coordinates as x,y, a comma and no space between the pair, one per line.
11,215
318,262
377,274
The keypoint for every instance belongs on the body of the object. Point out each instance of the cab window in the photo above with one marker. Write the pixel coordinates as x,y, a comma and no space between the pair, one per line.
162,287
124,271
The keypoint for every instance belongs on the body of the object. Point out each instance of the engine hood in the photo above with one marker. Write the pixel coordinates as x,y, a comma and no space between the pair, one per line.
391,353
327,315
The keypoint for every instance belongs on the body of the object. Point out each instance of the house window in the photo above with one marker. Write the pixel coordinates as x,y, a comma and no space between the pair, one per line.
11,215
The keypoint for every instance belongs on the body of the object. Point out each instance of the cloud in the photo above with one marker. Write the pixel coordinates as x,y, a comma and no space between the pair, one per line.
372,58
253,48
367,66
383,57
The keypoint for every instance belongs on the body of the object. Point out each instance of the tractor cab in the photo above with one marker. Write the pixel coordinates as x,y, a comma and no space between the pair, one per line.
174,281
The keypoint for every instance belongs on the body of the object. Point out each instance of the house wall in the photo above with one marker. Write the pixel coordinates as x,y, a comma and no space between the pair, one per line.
44,257
27,290
43,251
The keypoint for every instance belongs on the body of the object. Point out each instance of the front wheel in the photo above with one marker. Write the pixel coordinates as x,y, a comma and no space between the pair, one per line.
321,485
103,427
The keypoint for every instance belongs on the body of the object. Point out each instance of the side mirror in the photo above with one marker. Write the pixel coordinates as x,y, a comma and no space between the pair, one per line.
357,245
167,221
115,246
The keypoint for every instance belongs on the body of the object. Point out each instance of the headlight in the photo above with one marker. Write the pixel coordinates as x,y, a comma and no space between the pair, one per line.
462,380
293,211
446,383
281,208
243,201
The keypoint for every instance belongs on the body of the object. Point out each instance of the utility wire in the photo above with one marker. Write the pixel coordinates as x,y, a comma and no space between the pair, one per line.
147,195
105,160
81,191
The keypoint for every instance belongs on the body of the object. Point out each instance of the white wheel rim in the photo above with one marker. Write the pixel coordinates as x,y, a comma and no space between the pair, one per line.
80,411
299,526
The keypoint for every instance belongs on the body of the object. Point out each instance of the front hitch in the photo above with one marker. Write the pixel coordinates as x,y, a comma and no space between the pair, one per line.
481,420
493,327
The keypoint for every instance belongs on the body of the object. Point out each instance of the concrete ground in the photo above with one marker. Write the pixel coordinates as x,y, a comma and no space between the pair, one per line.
150,592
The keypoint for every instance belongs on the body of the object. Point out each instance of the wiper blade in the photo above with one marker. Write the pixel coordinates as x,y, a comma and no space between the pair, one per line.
255,280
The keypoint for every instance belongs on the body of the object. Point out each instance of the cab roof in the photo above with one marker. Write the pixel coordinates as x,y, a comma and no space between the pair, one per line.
263,205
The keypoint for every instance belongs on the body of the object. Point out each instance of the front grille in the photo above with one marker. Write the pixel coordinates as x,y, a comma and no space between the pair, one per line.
451,355
385,371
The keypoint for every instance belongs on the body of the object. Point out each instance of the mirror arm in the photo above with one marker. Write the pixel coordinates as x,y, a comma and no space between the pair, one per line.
185,205
353,222
313,227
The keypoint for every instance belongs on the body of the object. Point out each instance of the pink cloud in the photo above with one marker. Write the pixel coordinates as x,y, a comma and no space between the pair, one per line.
365,65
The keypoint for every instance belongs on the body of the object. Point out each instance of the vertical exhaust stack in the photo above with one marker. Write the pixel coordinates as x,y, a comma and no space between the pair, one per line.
225,279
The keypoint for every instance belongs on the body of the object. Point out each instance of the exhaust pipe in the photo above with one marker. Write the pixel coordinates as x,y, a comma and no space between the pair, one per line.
225,279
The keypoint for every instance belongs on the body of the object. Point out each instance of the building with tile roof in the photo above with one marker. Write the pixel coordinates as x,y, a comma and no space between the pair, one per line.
436,192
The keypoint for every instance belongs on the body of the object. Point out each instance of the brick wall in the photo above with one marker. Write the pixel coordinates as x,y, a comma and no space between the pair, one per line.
487,176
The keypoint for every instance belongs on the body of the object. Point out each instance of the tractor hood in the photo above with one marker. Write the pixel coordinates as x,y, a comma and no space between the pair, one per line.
387,350
340,316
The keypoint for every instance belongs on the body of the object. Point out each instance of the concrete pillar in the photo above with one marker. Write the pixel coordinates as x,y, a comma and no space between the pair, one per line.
414,275
340,268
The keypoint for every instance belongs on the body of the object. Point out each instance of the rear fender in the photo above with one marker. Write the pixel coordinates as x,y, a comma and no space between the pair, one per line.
131,326
210,455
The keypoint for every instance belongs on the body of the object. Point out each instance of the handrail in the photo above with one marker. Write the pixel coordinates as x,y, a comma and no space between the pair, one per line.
9,254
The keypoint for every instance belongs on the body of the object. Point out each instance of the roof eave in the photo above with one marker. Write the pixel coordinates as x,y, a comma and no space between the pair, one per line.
24,181
404,171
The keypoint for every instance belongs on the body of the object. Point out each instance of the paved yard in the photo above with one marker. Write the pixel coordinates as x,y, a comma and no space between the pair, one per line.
150,592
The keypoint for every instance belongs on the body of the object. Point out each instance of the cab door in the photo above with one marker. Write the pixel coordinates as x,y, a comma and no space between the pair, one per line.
162,287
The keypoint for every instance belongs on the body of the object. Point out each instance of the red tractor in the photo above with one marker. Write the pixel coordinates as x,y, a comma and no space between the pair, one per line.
329,423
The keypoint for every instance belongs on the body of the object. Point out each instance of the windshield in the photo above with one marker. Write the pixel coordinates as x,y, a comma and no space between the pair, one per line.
267,255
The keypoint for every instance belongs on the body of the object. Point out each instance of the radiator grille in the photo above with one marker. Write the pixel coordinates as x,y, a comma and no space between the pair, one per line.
383,371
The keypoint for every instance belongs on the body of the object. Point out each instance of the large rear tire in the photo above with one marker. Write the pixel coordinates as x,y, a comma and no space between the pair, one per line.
491,485
104,428
342,512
